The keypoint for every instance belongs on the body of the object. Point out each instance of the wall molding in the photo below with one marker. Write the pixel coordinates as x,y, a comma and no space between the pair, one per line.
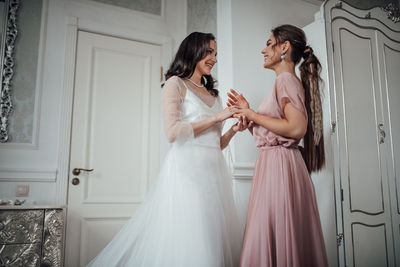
66,110
225,66
27,175
39,77
39,152
243,170
240,170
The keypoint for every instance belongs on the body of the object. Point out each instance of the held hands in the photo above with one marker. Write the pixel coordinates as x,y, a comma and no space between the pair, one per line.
240,106
237,107
227,113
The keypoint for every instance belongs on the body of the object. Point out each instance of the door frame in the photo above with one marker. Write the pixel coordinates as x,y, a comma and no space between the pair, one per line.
117,22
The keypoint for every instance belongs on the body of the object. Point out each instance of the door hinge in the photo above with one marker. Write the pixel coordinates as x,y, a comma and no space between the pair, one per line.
333,47
382,133
161,74
333,127
341,195
339,239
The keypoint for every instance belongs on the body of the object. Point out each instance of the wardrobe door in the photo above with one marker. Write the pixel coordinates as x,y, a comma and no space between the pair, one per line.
389,54
363,171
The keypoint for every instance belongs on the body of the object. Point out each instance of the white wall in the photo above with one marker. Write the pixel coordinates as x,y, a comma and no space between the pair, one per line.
243,29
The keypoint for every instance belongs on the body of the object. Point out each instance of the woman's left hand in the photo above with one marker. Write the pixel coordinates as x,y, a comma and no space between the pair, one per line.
241,125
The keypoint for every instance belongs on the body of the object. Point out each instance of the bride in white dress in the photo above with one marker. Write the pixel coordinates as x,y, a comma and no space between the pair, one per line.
188,218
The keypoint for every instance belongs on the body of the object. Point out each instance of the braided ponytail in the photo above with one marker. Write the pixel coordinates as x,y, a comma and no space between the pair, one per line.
314,152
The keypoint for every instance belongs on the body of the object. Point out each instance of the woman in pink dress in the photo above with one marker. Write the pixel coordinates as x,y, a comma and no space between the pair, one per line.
283,226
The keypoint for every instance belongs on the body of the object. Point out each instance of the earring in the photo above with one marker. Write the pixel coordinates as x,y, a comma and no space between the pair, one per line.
283,56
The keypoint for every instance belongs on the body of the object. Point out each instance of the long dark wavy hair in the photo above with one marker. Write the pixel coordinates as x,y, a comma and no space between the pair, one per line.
192,49
314,151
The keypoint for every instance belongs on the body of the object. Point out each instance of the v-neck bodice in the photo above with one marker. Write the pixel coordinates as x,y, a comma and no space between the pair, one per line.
194,109
208,99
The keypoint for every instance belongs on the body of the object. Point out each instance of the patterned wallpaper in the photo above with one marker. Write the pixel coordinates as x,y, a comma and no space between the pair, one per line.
148,6
202,16
24,80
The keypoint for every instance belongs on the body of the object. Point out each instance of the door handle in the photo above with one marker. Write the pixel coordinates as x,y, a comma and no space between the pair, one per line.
77,171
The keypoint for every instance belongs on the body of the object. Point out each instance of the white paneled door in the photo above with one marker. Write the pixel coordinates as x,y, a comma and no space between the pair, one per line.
115,136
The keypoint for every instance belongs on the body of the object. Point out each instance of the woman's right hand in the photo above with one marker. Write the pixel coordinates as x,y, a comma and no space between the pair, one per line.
238,100
224,114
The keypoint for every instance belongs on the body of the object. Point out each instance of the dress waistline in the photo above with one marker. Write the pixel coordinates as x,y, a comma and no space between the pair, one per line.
199,144
279,146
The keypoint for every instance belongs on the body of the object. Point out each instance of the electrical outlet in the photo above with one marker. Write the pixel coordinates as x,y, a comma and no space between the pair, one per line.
22,190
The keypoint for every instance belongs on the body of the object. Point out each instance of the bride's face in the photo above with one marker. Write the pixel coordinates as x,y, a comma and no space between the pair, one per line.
205,65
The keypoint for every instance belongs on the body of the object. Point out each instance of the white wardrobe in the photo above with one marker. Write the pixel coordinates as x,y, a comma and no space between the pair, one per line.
360,54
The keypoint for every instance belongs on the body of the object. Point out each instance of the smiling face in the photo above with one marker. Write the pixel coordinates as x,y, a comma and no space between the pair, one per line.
272,53
205,65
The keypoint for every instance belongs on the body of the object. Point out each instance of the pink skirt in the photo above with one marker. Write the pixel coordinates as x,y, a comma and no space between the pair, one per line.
283,226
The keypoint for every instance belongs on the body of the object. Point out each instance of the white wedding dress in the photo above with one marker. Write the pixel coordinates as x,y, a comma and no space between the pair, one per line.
188,218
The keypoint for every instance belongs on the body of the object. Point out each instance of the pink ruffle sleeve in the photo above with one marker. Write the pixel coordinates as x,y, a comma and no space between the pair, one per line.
289,90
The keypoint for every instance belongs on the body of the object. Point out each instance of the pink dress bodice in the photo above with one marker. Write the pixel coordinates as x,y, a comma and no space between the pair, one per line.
287,88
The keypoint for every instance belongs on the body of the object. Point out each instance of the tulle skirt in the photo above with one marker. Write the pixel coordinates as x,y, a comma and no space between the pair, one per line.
187,219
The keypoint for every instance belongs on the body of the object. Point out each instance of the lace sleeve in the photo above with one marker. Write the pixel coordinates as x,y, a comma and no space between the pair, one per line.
172,98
